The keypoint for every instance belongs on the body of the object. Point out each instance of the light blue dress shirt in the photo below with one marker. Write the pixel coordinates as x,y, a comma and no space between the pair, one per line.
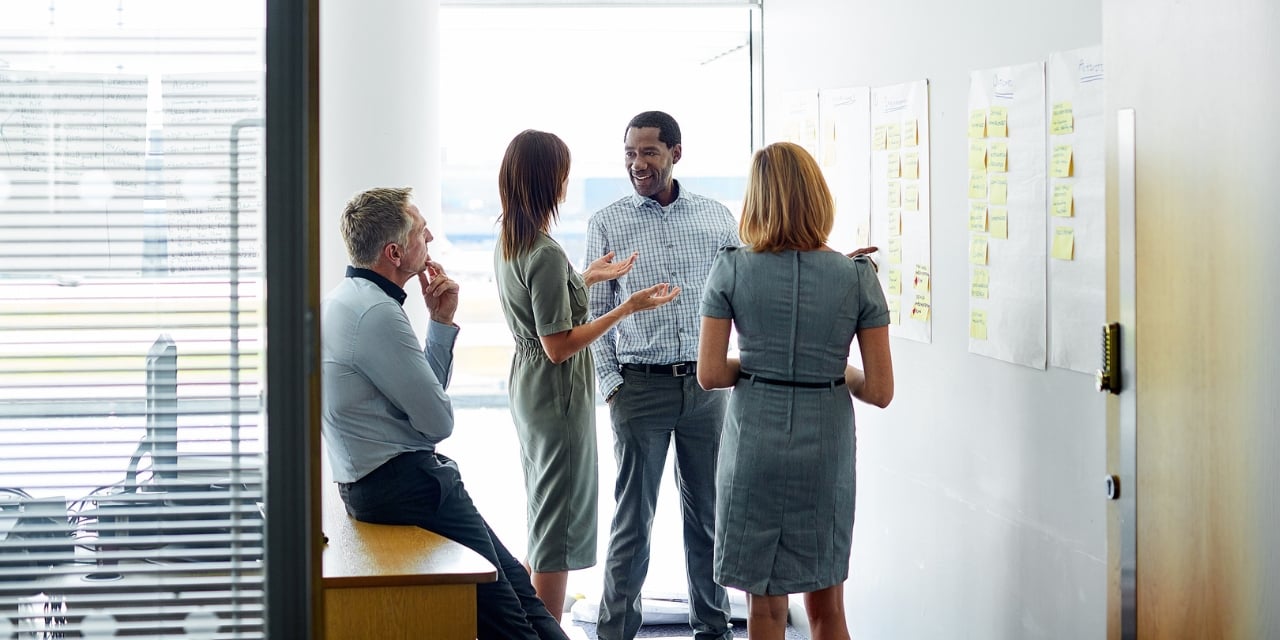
383,394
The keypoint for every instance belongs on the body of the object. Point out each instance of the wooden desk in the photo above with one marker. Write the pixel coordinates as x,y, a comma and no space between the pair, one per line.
388,581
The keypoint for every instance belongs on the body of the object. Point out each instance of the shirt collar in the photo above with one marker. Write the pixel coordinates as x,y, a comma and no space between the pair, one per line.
389,287
638,200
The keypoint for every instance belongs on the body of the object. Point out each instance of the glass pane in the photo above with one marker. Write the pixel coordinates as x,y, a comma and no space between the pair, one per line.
131,318
580,73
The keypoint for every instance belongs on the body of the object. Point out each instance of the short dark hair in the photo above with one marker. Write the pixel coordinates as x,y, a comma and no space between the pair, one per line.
668,130
530,185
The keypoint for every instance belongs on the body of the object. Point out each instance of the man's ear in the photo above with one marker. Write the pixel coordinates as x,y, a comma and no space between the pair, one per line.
675,153
391,251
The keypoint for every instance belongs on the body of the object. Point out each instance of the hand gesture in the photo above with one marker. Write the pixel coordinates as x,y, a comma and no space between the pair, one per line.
604,268
866,251
440,293
652,298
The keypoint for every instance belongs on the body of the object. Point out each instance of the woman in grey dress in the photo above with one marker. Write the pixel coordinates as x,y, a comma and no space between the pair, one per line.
785,476
552,395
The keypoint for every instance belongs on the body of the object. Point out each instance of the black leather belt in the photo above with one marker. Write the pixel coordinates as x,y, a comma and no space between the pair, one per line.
676,369
742,375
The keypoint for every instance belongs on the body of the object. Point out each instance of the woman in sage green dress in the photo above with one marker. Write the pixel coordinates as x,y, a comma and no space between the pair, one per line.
552,395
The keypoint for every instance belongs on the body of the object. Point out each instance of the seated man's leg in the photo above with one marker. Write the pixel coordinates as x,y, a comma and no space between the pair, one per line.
508,608
415,489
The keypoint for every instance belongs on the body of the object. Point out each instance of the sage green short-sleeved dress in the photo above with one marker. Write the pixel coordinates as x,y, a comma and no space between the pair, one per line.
553,405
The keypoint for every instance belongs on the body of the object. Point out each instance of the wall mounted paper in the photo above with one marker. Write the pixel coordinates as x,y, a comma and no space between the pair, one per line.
845,117
1010,258
900,113
1077,286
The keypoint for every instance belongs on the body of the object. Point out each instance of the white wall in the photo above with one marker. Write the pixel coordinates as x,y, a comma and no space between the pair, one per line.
980,509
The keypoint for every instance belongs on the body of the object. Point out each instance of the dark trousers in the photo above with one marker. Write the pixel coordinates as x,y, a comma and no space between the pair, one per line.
649,413
424,489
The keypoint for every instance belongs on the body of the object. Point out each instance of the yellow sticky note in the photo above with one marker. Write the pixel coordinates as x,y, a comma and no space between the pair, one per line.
911,165
895,316
1060,166
911,197
978,216
877,138
1063,121
895,282
895,166
910,133
998,122
921,281
978,324
920,309
895,194
998,157
977,185
998,222
829,143
981,284
895,250
1062,206
1064,243
978,123
829,158
978,250
977,155
895,222
893,136
999,193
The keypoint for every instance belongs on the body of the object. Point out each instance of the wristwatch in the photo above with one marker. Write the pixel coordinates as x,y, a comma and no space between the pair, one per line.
612,392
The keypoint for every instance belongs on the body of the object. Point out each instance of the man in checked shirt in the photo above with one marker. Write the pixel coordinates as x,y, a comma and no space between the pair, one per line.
646,368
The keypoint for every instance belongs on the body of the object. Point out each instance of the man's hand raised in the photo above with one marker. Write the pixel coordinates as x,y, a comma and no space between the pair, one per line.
440,292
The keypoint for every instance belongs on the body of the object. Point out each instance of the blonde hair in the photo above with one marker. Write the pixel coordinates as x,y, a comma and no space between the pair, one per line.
788,204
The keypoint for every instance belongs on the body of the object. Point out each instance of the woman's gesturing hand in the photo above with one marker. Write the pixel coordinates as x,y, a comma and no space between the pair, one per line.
604,268
653,297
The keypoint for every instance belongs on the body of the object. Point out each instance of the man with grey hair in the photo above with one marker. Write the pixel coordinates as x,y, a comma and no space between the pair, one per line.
384,406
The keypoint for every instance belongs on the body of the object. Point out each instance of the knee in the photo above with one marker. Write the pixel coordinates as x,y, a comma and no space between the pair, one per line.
825,605
773,608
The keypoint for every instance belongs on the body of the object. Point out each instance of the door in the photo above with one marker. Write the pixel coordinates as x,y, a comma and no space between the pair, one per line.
1193,433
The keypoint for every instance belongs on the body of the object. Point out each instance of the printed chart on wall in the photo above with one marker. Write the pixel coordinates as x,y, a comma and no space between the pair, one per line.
900,205
1006,191
1077,206
844,118
800,120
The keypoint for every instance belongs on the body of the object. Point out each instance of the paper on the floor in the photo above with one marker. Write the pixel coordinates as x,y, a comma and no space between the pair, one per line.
659,608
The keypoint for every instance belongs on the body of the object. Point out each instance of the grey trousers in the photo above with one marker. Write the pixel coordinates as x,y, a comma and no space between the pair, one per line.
648,413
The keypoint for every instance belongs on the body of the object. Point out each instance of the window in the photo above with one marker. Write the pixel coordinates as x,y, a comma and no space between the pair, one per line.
131,318
581,73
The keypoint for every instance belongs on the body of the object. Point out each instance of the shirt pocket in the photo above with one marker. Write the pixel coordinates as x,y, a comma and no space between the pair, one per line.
577,298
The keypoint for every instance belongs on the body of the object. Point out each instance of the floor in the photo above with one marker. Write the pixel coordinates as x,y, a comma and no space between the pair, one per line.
584,631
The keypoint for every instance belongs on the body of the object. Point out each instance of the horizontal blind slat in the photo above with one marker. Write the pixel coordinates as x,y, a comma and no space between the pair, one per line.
131,332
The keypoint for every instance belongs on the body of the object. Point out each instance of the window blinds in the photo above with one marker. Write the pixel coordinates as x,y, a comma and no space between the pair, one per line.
131,333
